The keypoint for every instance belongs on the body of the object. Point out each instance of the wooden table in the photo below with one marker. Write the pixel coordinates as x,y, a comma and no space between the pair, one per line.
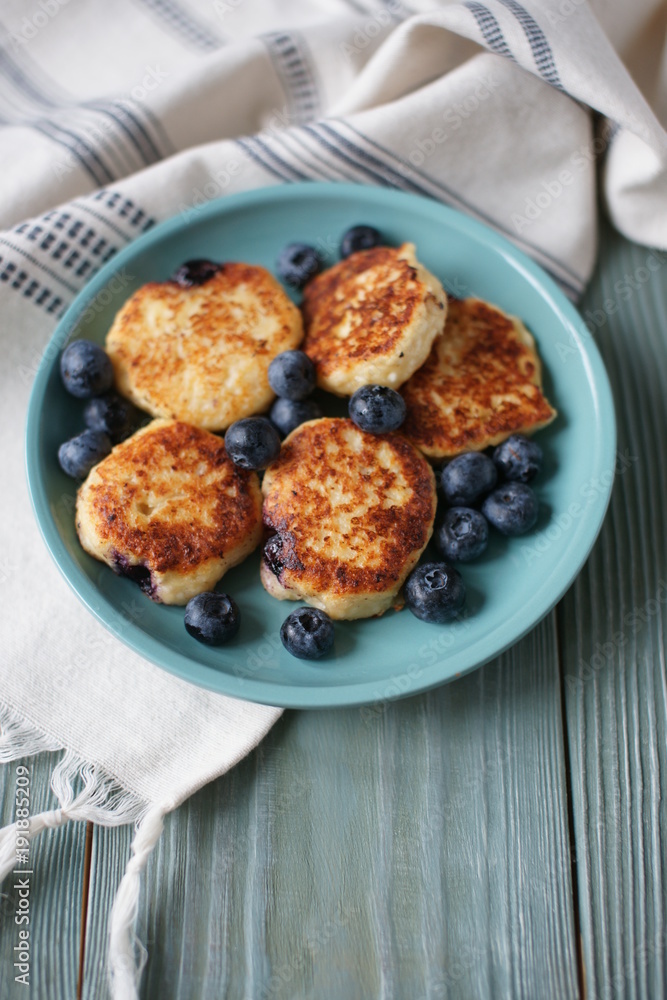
501,837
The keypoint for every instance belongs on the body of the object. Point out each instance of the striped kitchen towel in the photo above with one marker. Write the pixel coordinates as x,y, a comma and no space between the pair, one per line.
114,116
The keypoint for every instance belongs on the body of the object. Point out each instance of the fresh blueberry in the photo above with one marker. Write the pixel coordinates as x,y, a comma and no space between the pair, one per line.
359,238
78,455
377,409
512,508
435,592
287,414
467,478
112,414
195,272
252,442
463,534
518,459
307,633
212,618
292,375
86,369
298,263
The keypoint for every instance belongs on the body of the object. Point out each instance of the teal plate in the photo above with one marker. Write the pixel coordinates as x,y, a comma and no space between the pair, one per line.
509,589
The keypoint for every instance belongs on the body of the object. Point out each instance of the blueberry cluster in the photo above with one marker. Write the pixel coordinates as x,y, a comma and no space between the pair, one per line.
480,490
299,262
292,377
87,373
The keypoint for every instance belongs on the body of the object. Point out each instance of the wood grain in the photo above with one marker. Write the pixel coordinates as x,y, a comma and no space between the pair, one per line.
612,628
57,858
419,850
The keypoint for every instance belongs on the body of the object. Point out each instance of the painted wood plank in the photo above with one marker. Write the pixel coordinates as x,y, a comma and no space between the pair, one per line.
612,628
57,859
417,849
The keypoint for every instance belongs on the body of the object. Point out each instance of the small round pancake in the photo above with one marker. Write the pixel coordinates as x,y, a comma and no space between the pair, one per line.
202,354
371,319
351,514
170,510
482,382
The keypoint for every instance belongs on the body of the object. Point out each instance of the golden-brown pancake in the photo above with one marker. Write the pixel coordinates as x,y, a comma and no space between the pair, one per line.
201,354
350,514
170,510
481,382
372,318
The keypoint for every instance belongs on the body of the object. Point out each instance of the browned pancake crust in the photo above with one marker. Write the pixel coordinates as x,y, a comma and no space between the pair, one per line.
202,354
205,520
298,502
377,321
480,383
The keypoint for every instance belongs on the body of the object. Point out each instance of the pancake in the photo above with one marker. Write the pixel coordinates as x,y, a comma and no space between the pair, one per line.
201,354
170,510
350,513
372,319
481,382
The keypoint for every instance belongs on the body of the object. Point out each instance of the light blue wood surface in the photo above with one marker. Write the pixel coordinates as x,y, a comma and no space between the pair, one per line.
612,629
419,850
57,863
422,850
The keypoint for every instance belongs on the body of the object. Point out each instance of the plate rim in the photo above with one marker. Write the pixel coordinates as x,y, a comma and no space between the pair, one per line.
316,695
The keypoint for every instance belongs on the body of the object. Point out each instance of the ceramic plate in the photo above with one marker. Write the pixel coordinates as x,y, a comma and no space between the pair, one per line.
509,589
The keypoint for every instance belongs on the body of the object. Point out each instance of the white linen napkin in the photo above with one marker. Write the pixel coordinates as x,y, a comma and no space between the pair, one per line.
124,114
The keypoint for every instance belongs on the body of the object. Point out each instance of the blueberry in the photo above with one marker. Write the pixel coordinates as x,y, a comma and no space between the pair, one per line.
112,414
467,478
518,459
212,618
463,534
85,369
252,442
435,592
359,238
377,409
287,414
512,508
195,272
292,375
298,263
78,455
307,633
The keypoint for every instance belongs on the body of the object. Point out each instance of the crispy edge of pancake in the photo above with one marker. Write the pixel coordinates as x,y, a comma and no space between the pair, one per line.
171,563
403,344
125,351
422,425
328,584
